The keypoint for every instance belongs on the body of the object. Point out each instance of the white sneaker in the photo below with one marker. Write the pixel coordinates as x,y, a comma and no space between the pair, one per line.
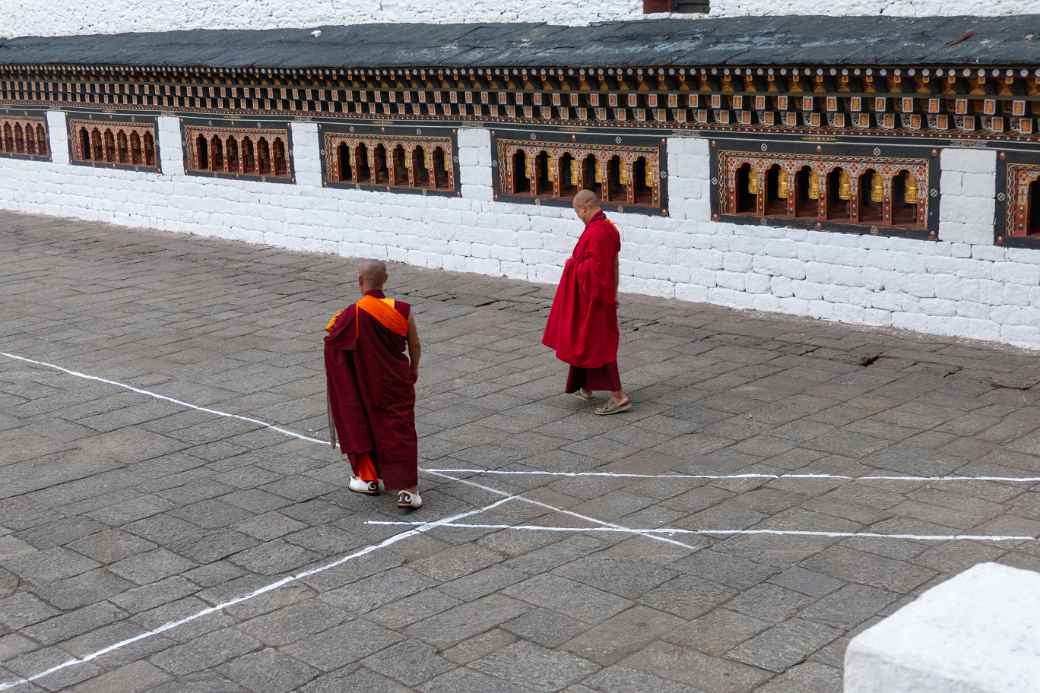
371,488
408,499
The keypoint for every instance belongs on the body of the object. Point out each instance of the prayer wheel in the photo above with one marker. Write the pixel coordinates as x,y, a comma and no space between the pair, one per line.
910,193
844,185
648,178
814,185
781,185
551,169
624,177
572,172
752,182
877,189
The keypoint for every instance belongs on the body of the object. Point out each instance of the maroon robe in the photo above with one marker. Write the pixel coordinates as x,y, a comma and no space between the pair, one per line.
371,393
583,322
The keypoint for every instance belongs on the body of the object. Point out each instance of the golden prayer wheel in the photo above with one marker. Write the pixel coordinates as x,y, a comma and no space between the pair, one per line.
428,160
844,185
531,169
551,169
814,185
624,177
781,185
877,188
572,172
910,193
752,182
601,171
648,179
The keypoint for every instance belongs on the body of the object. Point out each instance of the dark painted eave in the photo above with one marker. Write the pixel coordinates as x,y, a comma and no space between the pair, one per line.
738,41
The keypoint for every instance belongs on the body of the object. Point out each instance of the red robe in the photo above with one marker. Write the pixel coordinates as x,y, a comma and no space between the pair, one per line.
371,393
583,322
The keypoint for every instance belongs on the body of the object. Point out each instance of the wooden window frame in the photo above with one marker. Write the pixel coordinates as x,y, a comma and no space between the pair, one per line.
141,126
856,160
1013,203
24,118
605,149
239,130
398,178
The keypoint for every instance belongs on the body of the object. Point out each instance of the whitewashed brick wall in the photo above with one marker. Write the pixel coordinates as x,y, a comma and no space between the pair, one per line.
72,17
962,285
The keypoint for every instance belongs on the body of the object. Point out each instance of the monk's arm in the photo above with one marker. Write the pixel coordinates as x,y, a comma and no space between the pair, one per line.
414,347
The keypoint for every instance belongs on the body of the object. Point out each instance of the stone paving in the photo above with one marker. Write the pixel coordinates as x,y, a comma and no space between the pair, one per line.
121,512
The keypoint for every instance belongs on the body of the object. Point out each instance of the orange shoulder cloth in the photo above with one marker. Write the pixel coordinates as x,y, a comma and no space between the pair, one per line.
385,314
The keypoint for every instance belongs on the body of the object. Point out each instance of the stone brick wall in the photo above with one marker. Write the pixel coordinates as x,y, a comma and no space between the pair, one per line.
962,285
71,17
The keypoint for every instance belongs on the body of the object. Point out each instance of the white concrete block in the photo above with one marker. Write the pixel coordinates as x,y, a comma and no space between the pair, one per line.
974,633
58,137
968,160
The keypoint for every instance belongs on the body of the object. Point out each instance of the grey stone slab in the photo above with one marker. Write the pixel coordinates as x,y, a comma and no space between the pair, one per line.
343,645
273,557
22,609
619,679
568,597
132,678
270,671
546,627
83,589
150,566
626,577
403,612
410,662
620,636
810,677
850,606
868,569
785,645
464,621
469,681
49,565
479,646
693,668
73,623
111,545
361,679
155,594
533,666
806,581
292,623
204,652
717,632
687,596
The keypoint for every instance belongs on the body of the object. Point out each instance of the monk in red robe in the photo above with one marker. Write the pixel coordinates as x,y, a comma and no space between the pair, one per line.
583,322
371,389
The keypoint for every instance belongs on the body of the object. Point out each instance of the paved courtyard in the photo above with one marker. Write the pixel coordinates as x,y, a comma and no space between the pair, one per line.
157,534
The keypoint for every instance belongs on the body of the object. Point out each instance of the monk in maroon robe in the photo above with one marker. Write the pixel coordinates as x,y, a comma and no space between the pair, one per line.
371,389
583,322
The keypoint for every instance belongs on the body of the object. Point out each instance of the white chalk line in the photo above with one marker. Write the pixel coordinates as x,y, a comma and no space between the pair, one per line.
669,531
735,477
420,527
603,523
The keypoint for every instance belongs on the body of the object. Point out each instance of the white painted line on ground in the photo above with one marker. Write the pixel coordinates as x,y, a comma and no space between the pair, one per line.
603,523
736,477
668,531
164,398
420,527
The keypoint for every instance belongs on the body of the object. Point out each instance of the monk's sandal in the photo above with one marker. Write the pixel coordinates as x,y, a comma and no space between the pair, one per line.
612,407
407,499
371,488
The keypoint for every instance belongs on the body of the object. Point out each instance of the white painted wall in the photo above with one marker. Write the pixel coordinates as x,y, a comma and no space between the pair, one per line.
962,285
70,17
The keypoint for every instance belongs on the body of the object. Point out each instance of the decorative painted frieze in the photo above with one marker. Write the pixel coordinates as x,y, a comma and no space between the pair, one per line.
23,135
251,150
405,159
627,172
844,187
129,142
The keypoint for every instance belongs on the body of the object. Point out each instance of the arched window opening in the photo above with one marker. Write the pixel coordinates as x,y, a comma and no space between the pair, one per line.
1033,202
231,154
592,175
345,173
281,165
19,139
542,180
807,192
396,167
441,179
364,174
84,144
216,153
777,191
30,140
41,141
421,167
521,179
643,181
839,192
201,152
263,157
110,147
8,138
248,157
904,199
570,176
135,148
616,188
122,147
149,149
871,196
746,190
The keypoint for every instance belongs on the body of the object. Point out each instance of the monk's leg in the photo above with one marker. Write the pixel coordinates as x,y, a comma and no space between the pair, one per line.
576,382
364,468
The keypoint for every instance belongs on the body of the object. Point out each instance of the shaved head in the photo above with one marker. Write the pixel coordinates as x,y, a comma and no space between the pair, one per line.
586,204
371,275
